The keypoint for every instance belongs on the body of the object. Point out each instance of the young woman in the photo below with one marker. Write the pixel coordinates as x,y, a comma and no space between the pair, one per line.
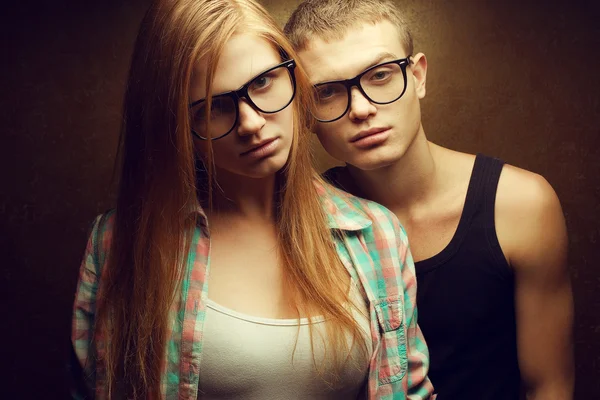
229,269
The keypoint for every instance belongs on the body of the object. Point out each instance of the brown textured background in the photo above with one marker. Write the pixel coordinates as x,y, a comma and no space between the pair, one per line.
516,80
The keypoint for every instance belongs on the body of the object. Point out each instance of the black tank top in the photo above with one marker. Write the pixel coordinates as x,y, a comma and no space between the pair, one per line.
465,300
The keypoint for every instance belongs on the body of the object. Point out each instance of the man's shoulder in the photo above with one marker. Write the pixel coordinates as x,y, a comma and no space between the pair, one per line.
523,191
528,214
518,188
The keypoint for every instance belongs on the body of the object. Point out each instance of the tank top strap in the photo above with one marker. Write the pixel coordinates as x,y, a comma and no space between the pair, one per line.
490,170
481,195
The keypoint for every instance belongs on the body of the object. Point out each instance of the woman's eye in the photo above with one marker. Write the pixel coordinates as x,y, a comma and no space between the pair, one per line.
200,114
326,93
261,82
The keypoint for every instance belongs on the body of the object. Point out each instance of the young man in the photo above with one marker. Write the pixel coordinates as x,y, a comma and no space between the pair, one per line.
495,302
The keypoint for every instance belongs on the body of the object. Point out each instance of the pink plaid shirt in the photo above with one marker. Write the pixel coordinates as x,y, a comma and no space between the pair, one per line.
374,249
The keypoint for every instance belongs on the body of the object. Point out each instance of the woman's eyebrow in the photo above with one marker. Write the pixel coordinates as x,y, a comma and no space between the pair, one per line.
194,102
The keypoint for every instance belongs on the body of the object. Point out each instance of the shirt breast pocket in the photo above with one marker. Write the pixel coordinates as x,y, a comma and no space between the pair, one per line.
393,350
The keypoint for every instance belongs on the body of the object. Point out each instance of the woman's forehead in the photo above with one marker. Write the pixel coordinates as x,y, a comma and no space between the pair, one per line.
243,57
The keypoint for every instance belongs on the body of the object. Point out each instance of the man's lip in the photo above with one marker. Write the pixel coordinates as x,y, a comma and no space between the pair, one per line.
368,132
258,146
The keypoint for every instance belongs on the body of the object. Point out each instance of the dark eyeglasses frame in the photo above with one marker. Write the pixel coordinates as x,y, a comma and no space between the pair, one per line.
242,93
349,83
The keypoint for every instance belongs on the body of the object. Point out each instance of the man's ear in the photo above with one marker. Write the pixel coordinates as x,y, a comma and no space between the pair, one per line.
419,73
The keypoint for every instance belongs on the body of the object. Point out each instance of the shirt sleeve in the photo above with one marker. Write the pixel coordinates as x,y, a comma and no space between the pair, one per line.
82,364
419,385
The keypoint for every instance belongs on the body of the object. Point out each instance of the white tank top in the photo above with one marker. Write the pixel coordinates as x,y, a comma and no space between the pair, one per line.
250,358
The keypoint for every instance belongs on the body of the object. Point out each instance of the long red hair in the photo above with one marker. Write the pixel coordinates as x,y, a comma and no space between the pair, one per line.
158,188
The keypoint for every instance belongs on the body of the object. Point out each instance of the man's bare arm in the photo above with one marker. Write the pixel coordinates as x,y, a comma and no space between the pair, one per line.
532,232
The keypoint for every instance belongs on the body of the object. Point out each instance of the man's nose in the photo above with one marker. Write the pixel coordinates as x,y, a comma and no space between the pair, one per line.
360,107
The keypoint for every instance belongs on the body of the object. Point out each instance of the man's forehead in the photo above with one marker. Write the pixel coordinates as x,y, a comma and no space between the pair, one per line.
360,47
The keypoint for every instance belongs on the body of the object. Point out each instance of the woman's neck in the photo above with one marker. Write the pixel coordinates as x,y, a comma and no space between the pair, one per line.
239,196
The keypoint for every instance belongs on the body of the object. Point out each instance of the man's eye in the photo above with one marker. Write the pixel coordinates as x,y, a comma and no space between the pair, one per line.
380,75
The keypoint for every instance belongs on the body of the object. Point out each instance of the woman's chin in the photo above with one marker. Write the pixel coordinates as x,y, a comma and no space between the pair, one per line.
267,167
263,172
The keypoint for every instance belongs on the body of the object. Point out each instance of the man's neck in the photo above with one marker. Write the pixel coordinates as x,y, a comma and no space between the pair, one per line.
408,182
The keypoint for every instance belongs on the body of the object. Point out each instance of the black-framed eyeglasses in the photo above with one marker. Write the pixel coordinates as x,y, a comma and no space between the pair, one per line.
381,84
269,92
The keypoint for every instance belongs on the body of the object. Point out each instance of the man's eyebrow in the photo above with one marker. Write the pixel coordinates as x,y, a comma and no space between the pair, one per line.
379,58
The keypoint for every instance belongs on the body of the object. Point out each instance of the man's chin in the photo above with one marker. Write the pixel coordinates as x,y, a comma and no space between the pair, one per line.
370,165
370,162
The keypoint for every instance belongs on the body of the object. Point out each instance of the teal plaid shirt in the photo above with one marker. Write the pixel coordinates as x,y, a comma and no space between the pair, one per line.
373,248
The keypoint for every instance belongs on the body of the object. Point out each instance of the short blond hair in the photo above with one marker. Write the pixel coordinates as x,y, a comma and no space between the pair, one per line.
331,20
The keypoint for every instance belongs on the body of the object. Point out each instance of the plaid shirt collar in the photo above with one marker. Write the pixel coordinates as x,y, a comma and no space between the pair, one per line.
341,213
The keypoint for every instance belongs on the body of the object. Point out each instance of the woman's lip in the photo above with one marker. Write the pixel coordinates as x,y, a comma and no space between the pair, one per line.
264,149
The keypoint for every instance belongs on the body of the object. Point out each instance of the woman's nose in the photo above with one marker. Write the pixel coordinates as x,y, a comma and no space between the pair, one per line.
250,121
